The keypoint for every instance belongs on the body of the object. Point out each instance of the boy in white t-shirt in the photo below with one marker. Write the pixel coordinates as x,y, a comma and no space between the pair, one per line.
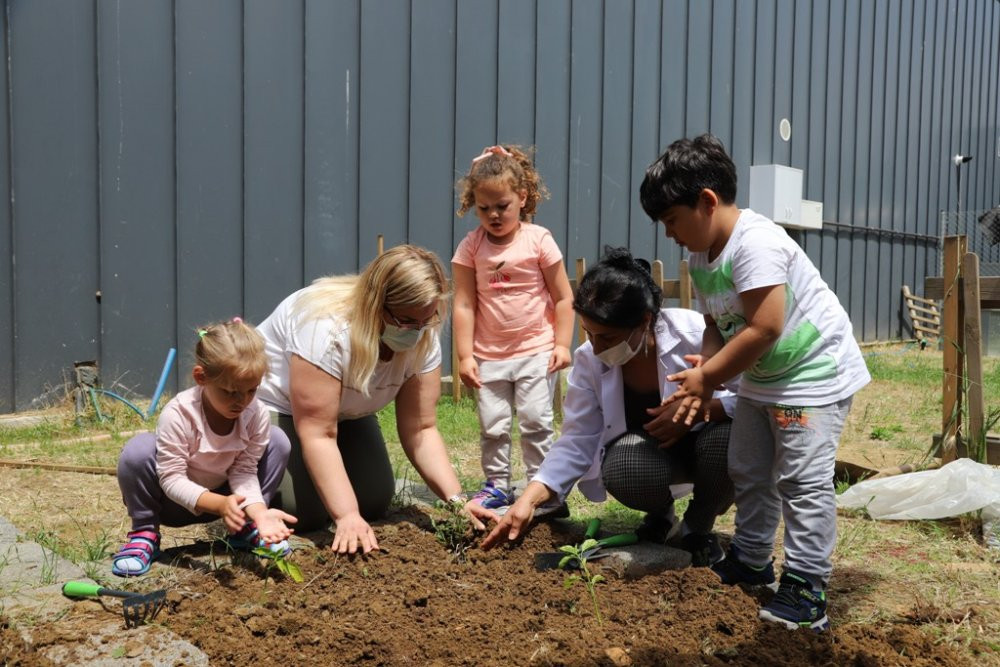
775,323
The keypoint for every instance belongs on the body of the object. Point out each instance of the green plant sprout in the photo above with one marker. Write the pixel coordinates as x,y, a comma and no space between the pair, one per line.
453,530
575,556
281,563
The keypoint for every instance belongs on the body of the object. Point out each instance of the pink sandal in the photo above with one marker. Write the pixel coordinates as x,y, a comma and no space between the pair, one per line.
136,557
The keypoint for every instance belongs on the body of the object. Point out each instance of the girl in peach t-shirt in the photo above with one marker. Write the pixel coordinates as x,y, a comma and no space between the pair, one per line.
513,315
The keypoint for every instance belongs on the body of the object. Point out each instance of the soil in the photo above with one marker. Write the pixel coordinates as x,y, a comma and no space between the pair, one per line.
414,603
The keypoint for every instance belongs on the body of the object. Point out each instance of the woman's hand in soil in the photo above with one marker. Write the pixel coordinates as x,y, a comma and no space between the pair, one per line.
479,515
510,525
353,531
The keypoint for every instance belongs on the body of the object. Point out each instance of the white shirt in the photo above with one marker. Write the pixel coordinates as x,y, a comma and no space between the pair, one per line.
326,343
594,408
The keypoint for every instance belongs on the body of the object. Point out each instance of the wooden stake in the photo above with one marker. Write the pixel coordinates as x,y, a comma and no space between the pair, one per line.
951,402
973,355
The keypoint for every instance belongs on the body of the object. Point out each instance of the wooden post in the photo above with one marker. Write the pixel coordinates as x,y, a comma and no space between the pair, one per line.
952,332
684,276
976,439
657,271
379,245
456,381
581,268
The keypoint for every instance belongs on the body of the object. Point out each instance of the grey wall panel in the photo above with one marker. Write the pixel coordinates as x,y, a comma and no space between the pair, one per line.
273,110
384,115
784,50
818,164
209,99
476,107
585,101
762,150
432,127
879,149
552,119
53,153
516,71
698,74
673,88
798,74
616,193
722,101
845,180
646,145
7,287
331,135
741,148
137,244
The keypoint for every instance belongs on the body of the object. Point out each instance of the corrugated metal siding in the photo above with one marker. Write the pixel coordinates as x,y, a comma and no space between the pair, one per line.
191,161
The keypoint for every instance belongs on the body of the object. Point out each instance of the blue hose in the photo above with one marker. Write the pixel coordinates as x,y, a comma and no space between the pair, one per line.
167,365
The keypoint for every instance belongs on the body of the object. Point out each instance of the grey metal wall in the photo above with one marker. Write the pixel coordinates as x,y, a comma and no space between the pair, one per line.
190,160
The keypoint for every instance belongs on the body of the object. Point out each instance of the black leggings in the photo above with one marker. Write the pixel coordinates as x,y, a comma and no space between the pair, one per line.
367,463
639,474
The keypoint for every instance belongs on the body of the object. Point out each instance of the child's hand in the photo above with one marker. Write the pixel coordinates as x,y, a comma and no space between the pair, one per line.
560,358
692,395
468,370
271,525
232,515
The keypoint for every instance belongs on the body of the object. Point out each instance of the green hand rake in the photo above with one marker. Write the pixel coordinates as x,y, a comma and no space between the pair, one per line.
137,608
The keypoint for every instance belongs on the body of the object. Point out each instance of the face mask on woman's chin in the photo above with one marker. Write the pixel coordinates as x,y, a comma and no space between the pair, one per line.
400,340
620,354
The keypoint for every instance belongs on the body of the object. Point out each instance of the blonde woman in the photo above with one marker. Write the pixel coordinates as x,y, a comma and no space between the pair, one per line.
340,350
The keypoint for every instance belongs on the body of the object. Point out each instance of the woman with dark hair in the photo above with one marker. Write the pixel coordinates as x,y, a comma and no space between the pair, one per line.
616,437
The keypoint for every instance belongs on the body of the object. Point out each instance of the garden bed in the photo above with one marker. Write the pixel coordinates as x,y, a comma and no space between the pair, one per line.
413,603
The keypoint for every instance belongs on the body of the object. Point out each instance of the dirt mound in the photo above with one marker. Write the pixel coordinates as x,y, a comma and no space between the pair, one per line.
413,604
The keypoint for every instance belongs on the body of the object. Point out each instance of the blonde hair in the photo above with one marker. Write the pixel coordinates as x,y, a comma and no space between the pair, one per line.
232,350
515,169
402,277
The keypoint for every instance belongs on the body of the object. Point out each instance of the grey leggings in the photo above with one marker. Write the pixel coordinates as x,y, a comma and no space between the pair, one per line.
639,474
367,464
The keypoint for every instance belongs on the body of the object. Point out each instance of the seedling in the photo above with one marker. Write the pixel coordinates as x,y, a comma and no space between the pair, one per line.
454,530
576,557
281,563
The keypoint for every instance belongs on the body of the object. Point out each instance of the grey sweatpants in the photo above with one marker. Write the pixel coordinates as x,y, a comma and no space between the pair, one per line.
524,384
366,461
781,461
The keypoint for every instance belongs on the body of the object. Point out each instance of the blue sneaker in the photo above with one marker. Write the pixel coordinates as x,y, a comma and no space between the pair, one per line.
797,605
733,571
493,498
249,539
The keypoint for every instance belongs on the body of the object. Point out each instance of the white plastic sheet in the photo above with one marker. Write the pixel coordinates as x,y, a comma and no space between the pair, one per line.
956,488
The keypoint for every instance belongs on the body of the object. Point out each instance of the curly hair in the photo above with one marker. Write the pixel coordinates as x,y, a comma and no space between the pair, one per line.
515,168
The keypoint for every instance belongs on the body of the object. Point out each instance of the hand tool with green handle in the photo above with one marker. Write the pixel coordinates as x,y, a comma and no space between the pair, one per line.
137,608
549,561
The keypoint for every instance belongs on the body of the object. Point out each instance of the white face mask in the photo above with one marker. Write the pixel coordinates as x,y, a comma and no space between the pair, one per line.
399,339
620,354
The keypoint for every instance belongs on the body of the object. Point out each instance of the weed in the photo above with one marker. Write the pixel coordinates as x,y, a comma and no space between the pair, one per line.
453,529
576,556
885,432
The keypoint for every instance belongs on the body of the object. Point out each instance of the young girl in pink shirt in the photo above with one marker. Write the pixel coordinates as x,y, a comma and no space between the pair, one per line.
513,315
214,454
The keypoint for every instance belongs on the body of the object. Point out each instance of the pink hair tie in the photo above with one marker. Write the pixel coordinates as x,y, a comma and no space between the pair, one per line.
492,150
237,320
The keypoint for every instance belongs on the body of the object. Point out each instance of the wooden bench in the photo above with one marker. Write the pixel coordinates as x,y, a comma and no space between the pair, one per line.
925,317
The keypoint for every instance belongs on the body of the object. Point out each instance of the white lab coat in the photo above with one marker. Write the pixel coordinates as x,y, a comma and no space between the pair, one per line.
594,408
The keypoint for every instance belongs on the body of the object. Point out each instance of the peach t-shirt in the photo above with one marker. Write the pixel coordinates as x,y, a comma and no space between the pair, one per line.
514,311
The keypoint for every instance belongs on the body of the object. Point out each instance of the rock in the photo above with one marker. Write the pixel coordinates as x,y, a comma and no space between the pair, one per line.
618,656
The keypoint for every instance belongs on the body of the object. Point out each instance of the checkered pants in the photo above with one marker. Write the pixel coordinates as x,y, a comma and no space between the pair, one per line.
639,474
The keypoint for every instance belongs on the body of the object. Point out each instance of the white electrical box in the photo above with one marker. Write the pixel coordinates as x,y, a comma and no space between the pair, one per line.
776,191
812,215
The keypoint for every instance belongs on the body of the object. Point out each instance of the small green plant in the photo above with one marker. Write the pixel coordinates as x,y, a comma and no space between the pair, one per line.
453,529
885,432
280,563
576,556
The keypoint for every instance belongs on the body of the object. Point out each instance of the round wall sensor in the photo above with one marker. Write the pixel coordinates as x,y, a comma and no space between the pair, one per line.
785,129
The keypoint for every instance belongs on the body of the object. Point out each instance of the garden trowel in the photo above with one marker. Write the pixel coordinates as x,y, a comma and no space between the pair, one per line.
559,560
137,608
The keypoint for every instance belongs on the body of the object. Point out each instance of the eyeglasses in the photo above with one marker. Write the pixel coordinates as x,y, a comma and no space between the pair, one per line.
413,324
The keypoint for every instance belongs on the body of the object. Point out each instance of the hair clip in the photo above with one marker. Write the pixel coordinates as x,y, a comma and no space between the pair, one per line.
237,320
492,150
202,333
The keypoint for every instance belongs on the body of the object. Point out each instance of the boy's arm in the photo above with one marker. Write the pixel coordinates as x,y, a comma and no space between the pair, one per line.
711,340
557,283
764,308
463,318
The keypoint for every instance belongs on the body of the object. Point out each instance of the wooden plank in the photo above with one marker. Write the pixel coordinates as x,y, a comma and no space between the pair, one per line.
951,404
992,448
989,288
684,281
657,271
973,349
